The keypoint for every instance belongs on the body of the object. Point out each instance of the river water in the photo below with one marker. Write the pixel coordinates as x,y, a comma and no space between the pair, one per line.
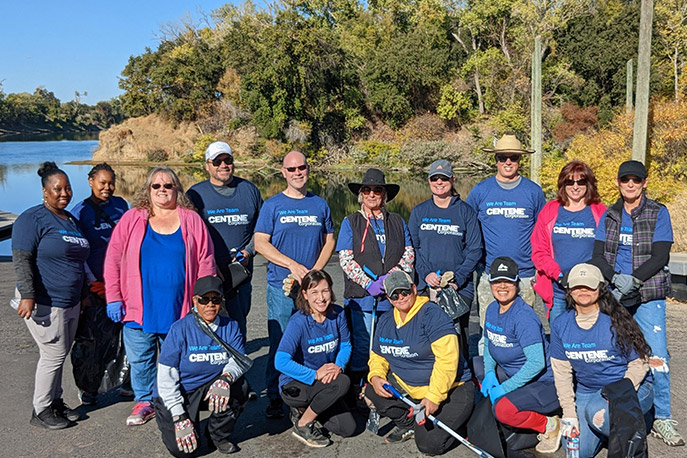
20,186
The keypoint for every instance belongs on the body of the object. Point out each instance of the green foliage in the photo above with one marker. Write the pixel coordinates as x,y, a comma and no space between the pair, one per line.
454,104
376,152
513,119
200,146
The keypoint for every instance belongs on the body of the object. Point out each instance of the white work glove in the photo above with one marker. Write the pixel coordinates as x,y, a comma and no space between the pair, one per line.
568,424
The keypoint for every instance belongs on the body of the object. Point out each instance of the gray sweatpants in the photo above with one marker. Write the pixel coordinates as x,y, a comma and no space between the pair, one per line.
53,329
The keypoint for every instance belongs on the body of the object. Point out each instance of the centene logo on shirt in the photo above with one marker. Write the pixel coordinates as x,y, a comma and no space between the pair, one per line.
212,358
591,356
324,348
507,212
625,239
442,229
498,340
76,240
575,232
231,220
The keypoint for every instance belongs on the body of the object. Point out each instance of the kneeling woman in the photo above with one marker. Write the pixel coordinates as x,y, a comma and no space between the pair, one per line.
416,350
312,355
517,373
194,369
595,320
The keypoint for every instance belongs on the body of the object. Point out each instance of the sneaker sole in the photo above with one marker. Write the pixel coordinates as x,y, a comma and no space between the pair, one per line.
40,424
658,435
403,439
139,422
306,442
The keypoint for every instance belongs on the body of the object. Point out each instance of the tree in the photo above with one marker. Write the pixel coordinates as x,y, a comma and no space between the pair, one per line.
671,31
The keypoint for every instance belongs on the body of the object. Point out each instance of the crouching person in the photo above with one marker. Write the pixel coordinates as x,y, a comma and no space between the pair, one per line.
312,355
416,350
195,373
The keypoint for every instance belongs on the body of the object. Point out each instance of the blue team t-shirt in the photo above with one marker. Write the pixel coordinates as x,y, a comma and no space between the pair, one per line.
197,357
230,219
593,353
663,232
297,228
60,249
572,240
312,344
508,333
97,230
507,217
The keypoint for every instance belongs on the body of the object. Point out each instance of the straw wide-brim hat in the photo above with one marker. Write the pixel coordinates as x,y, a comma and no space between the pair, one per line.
508,144
375,177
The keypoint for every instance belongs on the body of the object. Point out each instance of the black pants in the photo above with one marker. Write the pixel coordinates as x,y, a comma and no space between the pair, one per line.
220,425
429,438
326,400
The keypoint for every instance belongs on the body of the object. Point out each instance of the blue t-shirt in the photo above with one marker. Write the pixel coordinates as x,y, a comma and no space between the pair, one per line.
663,232
297,228
97,230
230,219
60,249
572,240
507,217
508,333
163,274
593,353
446,239
197,357
312,344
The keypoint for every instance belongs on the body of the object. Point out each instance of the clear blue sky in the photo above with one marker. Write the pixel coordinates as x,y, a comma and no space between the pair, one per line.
77,45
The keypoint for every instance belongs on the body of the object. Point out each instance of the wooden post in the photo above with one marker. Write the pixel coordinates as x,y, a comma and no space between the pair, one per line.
535,142
628,87
639,139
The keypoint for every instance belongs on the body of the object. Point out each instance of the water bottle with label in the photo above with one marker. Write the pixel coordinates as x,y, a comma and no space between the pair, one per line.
572,445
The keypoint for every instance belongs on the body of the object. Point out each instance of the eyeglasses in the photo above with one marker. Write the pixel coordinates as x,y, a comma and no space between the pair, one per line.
580,182
204,300
166,186
504,158
377,190
227,160
635,180
434,178
400,292
300,167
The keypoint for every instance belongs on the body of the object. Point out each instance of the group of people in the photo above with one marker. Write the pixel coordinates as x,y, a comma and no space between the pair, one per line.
167,268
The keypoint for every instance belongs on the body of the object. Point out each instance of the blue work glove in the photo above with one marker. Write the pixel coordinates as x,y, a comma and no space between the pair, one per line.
115,311
625,283
376,288
489,382
496,393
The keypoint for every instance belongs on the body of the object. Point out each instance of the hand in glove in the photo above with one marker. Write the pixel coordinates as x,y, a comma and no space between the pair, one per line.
446,278
218,395
376,288
185,435
496,393
625,283
115,311
489,382
98,288
568,424
287,284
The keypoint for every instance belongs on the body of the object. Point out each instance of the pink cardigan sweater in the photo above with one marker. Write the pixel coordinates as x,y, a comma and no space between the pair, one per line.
123,259
542,249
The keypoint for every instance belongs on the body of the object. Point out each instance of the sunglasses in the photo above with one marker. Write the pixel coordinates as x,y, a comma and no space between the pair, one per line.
580,182
300,167
227,160
166,186
400,292
203,300
435,178
504,158
377,190
635,180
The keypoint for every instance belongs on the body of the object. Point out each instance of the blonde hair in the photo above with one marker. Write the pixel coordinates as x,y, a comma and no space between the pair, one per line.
142,197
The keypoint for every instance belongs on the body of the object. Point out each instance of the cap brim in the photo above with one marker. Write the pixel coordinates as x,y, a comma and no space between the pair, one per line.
503,277
589,283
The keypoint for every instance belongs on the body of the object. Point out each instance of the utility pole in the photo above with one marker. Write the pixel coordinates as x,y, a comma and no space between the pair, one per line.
639,139
535,111
628,87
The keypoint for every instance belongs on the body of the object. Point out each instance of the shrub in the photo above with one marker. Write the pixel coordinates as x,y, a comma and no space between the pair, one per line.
157,155
575,120
200,146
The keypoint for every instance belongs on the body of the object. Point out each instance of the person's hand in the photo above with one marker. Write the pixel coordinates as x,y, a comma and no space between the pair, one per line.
617,294
378,385
568,424
245,259
327,373
625,283
446,278
298,271
98,288
185,435
25,308
432,279
562,280
496,393
218,395
115,311
287,284
430,407
489,382
376,288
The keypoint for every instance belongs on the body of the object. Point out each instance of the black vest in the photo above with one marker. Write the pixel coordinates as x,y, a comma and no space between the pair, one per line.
372,257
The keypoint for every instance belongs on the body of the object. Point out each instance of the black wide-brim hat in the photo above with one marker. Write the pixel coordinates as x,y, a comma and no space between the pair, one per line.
375,177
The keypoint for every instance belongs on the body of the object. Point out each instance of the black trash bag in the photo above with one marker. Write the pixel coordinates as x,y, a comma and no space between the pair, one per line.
454,304
98,359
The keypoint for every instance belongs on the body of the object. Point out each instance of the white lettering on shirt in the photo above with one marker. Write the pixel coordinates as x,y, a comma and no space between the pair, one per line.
443,229
398,352
575,232
590,356
231,220
309,220
507,212
212,358
77,240
498,340
324,348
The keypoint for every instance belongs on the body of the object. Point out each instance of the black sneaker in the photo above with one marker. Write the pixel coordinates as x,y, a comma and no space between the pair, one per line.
275,409
64,411
48,419
87,398
294,415
400,434
227,447
310,435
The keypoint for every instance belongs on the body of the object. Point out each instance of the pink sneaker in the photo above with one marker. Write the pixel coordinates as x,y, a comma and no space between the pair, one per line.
143,411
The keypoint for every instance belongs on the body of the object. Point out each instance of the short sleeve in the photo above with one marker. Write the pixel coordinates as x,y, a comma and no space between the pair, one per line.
170,352
556,345
265,223
26,233
345,239
601,228
664,229
437,323
528,327
328,223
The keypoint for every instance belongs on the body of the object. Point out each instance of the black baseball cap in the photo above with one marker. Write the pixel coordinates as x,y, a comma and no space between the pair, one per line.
503,268
635,168
206,284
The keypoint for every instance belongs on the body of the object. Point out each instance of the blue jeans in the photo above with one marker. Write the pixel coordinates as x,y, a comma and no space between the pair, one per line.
238,307
557,308
651,318
591,432
361,324
279,310
141,351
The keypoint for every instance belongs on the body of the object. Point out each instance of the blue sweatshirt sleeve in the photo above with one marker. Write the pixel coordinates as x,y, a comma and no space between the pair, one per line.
287,366
473,246
489,363
345,348
533,366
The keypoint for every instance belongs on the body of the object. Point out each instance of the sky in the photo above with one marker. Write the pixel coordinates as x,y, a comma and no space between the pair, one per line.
77,45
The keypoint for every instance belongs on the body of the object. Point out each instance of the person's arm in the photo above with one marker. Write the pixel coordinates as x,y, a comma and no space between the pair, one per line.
264,246
472,253
113,259
421,265
563,380
285,364
326,252
660,254
636,371
489,363
169,388
23,262
352,269
599,260
542,255
205,249
534,364
379,367
345,348
446,354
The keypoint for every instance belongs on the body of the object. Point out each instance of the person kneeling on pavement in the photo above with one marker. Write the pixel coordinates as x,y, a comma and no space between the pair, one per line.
195,373
416,350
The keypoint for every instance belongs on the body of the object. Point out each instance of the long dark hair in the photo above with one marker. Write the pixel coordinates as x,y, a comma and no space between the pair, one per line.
311,279
627,334
568,171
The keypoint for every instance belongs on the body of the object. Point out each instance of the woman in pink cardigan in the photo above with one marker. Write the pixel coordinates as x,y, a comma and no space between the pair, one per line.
157,251
563,235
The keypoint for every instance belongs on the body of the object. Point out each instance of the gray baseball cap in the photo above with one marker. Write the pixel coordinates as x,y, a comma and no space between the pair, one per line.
397,280
441,167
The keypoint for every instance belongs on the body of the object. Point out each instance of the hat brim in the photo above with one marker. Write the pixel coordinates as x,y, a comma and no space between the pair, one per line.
511,151
391,189
575,283
503,277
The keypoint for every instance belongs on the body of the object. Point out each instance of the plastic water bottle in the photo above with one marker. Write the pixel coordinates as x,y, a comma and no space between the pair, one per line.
572,445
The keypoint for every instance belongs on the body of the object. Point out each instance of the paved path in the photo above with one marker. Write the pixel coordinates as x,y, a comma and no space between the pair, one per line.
104,433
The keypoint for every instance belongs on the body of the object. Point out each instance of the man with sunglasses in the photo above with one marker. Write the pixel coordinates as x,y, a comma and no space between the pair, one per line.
229,205
507,206
632,249
295,233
